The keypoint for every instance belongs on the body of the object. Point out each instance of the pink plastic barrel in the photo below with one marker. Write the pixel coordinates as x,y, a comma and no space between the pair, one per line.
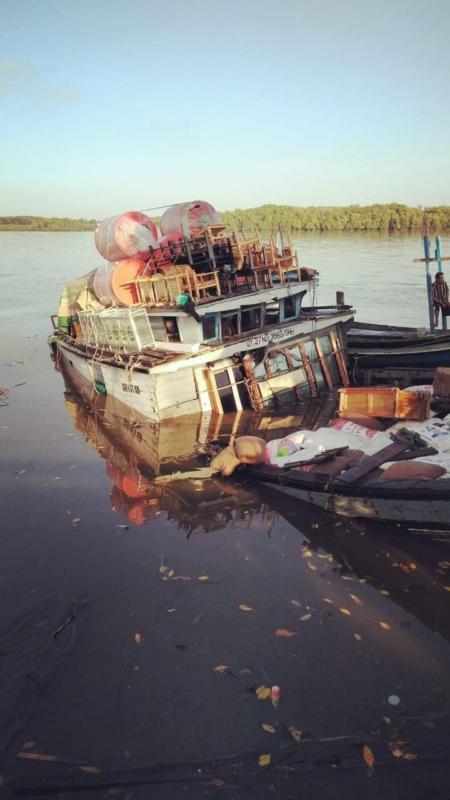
113,283
187,219
128,235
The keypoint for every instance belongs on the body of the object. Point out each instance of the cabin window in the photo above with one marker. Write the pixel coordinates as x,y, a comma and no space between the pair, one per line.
272,313
290,311
276,363
259,371
286,398
250,319
171,326
230,390
165,329
225,391
334,370
325,344
241,387
296,357
304,390
311,352
210,327
230,325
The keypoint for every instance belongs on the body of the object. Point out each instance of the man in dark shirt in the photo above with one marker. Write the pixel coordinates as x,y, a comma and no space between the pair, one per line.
440,296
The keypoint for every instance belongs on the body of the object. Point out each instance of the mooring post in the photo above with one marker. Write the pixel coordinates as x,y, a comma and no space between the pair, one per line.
426,250
437,255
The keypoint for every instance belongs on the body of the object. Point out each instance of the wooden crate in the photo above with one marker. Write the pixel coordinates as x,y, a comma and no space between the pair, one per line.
384,402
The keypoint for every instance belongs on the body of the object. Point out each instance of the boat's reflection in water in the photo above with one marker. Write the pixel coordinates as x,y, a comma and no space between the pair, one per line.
164,469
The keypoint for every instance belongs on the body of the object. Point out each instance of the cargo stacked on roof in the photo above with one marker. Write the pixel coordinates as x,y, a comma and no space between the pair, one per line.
214,319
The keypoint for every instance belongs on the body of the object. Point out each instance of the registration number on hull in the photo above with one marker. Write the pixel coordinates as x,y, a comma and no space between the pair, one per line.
131,388
272,336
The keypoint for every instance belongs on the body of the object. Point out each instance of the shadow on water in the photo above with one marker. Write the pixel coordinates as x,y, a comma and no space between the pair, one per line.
193,597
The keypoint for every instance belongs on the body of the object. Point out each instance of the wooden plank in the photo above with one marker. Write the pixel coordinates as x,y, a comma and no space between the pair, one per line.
370,463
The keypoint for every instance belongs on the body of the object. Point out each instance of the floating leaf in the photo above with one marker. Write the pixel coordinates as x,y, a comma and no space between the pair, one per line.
327,600
171,610
264,760
75,520
447,588
387,720
410,756
356,599
263,692
385,626
312,566
315,525
397,753
138,638
284,633
243,607
221,668
171,573
411,565
203,578
246,671
269,728
162,568
90,770
36,756
368,756
305,617
385,592
345,611
357,636
307,553
296,603
295,733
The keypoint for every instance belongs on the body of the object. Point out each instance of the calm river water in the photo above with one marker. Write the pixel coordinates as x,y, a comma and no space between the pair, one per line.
154,662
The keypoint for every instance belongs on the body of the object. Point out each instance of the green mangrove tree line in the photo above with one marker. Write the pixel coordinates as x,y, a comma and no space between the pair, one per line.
390,217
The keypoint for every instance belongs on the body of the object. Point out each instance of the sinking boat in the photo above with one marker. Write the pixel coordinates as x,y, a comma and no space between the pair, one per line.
202,320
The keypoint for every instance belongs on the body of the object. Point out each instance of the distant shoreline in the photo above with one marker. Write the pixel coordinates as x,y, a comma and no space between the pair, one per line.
387,218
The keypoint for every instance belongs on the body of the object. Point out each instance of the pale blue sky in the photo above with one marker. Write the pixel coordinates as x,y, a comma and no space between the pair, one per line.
108,106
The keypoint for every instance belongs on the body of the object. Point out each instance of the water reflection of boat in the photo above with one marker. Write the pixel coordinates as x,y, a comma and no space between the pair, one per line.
404,567
163,468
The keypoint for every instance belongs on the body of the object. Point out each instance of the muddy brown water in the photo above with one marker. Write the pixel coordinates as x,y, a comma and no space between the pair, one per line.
94,548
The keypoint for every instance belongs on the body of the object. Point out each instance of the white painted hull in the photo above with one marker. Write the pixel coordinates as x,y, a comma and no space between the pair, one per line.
430,512
180,386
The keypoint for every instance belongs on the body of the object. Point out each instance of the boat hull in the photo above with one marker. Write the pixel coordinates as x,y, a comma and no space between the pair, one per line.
161,385
433,513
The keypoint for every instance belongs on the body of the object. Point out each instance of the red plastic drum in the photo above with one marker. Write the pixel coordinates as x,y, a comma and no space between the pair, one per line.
127,235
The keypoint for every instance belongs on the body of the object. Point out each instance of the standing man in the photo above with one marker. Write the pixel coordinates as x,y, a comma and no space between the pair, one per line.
440,296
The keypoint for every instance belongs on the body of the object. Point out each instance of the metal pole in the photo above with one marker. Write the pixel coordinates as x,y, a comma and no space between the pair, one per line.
437,255
426,250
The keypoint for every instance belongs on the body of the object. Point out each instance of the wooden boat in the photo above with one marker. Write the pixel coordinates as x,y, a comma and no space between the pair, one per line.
221,328
165,466
424,502
384,354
